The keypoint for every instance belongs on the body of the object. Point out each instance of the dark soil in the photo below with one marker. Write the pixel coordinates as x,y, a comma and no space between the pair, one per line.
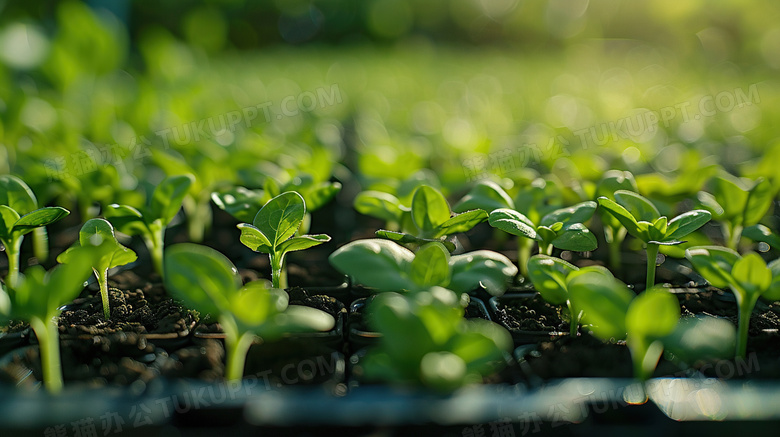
584,356
136,306
714,302
530,314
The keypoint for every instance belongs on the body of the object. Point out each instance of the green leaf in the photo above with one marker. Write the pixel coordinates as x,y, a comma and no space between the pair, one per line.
319,195
201,277
296,319
280,218
485,268
576,237
15,194
752,273
39,217
429,209
759,201
702,338
240,202
403,238
578,213
8,217
653,314
375,263
255,303
431,266
168,196
604,301
302,242
730,195
126,219
614,180
252,238
686,223
512,222
762,233
623,216
714,263
377,204
462,222
548,275
485,195
773,292
638,206
99,232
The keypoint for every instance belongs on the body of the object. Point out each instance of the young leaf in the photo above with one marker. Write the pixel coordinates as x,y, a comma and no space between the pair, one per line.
578,213
686,223
39,217
548,275
622,215
126,219
761,233
512,222
604,301
714,263
653,314
303,242
751,272
759,201
462,222
576,237
431,266
280,218
429,209
378,204
168,196
375,263
485,195
17,195
489,269
730,195
637,206
252,238
240,202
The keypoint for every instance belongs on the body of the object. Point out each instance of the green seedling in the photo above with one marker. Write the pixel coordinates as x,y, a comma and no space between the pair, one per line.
36,298
614,312
150,222
737,203
391,201
209,283
426,341
562,228
643,221
16,194
748,277
386,266
762,234
14,227
272,231
551,277
433,220
614,232
99,232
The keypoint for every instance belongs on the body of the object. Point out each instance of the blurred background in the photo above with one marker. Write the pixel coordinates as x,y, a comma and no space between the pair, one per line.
237,90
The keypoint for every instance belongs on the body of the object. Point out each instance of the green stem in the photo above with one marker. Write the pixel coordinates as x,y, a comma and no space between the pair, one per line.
524,246
41,244
155,242
652,255
49,341
574,321
735,234
236,349
13,251
199,219
103,282
614,250
278,272
745,307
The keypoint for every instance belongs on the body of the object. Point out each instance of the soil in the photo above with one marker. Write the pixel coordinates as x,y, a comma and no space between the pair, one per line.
714,302
529,314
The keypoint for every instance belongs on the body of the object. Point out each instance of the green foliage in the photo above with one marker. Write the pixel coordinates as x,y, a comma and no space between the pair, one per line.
273,228
643,221
432,218
614,313
386,266
748,277
37,296
151,221
99,233
425,341
209,283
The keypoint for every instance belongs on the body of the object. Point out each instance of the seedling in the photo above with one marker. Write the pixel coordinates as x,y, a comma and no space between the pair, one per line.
737,203
748,277
209,283
14,227
551,277
614,313
561,228
99,232
426,341
763,234
36,297
18,195
614,232
272,232
433,219
150,222
642,220
386,266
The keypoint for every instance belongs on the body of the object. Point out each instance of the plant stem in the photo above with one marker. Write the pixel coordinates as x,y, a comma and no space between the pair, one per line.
574,321
13,251
278,272
524,246
49,342
236,349
652,255
199,219
41,244
745,306
155,242
102,278
735,233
